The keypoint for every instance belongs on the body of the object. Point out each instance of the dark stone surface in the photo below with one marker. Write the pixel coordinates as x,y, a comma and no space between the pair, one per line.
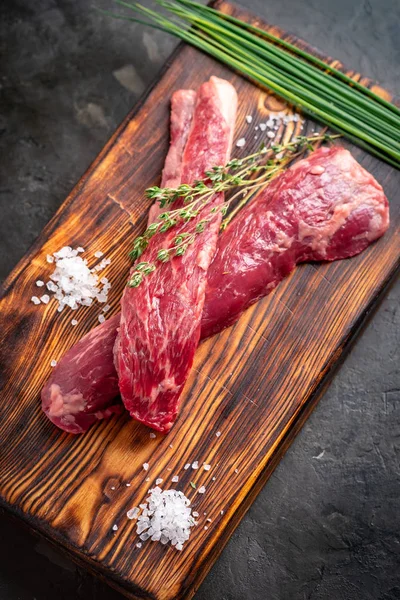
327,525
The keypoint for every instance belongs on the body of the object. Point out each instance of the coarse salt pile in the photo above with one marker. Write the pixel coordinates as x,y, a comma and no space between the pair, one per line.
72,282
166,517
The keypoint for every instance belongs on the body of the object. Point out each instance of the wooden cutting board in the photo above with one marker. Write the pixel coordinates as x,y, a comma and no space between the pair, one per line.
255,383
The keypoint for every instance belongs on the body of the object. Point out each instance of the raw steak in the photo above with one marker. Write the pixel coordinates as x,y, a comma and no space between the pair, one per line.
160,319
325,207
83,387
350,238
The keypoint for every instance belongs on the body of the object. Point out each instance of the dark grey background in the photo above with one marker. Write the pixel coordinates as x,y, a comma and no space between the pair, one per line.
327,525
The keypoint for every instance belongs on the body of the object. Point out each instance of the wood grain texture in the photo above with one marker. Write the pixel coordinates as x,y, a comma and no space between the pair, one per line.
256,383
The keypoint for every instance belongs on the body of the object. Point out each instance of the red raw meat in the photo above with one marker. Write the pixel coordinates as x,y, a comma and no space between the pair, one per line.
83,387
182,108
246,279
160,320
325,207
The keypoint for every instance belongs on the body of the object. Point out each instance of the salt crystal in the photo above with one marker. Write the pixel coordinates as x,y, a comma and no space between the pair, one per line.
222,512
51,286
45,298
240,143
214,478
128,485
195,514
133,513
249,119
113,487
263,126
195,465
115,527
40,283
218,433
206,467
270,134
80,249
53,363
98,254
171,446
153,435
146,466
147,479
236,471
139,545
201,489
106,308
35,300
186,466
209,520
159,481
49,258
74,322
205,527
101,318
175,479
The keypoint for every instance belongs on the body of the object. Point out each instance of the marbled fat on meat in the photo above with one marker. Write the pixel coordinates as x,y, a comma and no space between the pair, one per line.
83,387
161,318
339,209
325,207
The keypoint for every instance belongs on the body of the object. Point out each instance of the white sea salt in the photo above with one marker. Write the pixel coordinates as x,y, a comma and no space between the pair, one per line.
74,322
35,300
146,466
206,467
186,467
218,433
139,545
159,481
201,489
133,513
99,254
166,518
175,479
271,134
153,435
53,363
241,142
249,119
72,282
115,527
195,465
263,126
101,318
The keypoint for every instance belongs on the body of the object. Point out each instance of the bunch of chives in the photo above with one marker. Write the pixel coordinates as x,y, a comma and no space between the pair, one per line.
320,91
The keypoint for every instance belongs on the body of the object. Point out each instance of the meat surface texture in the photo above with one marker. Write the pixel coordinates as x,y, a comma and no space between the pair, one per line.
83,387
351,197
182,108
161,318
325,207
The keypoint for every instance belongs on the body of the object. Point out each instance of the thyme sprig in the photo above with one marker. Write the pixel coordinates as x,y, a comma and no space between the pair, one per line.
252,172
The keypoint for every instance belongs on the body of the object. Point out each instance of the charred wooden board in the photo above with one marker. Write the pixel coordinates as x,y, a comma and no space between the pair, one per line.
256,383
